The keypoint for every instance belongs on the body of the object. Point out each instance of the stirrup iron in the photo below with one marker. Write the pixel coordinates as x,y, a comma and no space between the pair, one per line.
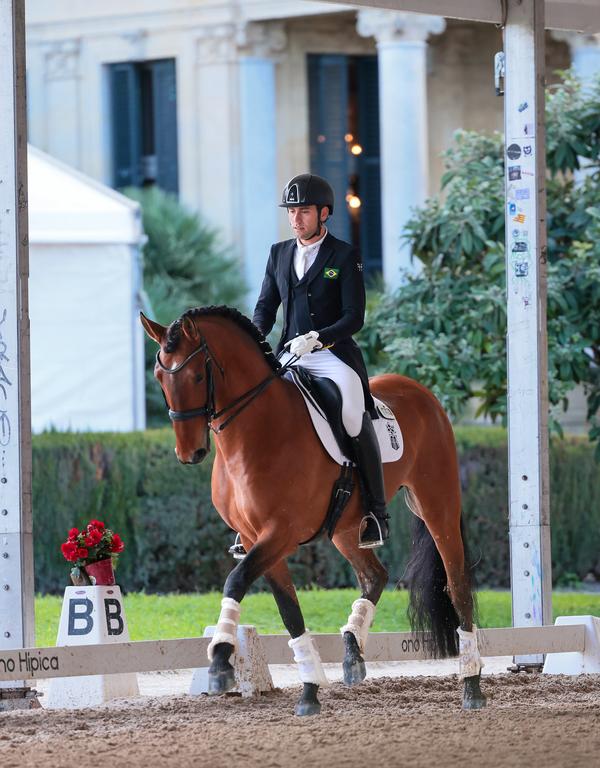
237,549
375,543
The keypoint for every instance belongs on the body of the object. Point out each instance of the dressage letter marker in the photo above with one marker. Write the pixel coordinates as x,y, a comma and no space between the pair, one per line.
90,616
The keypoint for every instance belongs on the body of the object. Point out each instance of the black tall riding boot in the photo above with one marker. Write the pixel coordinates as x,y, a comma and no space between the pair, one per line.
368,459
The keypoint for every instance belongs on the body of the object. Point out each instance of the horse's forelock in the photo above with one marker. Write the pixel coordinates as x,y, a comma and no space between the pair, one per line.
173,335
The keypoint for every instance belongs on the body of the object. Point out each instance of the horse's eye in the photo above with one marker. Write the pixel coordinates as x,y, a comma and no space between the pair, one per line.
199,378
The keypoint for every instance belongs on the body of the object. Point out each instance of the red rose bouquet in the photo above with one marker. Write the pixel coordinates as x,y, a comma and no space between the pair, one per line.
90,545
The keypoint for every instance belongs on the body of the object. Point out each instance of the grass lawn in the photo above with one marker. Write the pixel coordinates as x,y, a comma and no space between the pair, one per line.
157,617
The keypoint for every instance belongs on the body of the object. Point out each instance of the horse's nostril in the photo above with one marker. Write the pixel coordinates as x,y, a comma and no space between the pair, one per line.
199,455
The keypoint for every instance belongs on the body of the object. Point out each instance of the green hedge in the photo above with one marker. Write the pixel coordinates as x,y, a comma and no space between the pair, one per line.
175,541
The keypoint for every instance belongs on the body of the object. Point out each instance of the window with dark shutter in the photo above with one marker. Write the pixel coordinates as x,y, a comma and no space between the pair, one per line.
144,124
344,146
328,84
126,125
368,162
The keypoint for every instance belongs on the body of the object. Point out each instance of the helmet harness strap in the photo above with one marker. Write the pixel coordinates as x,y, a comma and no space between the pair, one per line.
319,229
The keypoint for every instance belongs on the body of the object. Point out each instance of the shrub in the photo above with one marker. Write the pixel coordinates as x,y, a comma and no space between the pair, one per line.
175,540
185,266
446,325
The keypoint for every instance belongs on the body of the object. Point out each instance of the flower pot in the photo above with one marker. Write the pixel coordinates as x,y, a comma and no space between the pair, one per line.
101,572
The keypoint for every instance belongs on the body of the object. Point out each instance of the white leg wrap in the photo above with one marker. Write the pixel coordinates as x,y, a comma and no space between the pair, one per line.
469,660
359,621
226,630
306,656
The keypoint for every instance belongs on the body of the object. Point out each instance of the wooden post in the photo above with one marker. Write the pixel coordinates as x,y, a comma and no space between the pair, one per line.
16,548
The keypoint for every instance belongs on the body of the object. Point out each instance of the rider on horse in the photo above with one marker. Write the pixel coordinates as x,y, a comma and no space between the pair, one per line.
319,281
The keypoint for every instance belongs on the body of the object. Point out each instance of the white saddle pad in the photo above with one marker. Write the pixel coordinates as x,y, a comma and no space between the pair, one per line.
386,428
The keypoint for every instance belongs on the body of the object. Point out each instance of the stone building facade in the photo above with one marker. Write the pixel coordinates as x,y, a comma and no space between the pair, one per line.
221,101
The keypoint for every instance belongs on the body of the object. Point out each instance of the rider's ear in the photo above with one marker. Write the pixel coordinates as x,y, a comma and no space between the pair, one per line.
156,331
189,329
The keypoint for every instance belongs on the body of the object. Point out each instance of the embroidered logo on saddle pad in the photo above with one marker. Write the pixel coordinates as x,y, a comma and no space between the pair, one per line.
330,273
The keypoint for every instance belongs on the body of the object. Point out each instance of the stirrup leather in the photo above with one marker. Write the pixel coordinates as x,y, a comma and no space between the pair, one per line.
237,549
380,538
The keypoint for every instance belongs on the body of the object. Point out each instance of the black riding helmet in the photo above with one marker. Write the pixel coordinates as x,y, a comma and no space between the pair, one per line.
308,189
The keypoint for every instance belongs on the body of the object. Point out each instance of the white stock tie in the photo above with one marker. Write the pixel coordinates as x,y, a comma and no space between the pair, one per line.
303,261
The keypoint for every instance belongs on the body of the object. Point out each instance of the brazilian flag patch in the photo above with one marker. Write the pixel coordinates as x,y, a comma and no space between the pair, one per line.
330,273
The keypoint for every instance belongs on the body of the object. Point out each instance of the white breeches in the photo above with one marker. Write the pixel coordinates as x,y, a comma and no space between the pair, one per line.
324,363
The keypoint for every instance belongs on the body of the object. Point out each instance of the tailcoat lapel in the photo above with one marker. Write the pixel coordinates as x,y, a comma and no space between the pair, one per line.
285,265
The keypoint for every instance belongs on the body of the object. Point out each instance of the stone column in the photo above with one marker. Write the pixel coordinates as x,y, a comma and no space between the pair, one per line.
61,99
259,46
237,141
216,111
402,54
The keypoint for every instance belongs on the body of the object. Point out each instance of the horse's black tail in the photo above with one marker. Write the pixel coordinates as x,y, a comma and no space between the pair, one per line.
430,610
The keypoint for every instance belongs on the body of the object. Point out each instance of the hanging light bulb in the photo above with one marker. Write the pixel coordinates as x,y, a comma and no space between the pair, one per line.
356,149
354,201
348,138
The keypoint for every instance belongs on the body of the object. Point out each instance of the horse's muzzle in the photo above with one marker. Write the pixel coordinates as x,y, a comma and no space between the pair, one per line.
195,458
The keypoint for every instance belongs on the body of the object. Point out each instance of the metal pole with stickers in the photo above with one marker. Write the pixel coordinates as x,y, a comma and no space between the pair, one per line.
526,257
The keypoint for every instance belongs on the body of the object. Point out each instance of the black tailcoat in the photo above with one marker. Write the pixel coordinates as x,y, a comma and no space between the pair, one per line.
331,299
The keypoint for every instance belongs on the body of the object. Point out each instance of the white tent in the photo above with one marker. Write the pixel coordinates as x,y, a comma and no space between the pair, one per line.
87,361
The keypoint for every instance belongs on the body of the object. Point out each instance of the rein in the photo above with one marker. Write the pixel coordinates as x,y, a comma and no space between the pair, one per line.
208,409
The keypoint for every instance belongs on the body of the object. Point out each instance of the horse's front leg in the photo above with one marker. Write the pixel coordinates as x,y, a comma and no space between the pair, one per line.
306,655
372,578
262,556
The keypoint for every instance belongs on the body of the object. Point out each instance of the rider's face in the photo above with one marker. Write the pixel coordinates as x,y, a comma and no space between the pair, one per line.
304,221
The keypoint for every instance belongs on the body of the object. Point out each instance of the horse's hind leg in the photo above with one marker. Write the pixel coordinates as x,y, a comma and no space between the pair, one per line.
262,556
309,663
441,526
372,578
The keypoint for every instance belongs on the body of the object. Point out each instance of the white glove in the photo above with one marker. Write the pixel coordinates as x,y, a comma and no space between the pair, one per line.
304,344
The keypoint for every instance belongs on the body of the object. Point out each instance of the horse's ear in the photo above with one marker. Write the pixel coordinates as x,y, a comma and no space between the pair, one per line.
156,331
189,329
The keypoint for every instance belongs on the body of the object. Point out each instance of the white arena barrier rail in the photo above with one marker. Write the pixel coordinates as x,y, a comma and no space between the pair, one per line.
575,638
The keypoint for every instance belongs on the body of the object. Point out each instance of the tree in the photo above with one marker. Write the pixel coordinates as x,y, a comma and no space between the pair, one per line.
446,325
184,266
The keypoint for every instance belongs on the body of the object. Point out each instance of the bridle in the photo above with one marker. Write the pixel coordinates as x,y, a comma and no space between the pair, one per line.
208,409
192,413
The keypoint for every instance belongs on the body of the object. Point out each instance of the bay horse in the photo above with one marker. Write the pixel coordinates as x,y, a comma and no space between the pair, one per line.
272,481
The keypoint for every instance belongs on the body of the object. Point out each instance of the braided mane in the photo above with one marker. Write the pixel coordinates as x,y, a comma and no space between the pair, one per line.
229,313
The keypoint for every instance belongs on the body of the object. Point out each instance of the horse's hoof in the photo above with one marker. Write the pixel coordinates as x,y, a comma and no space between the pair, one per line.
304,708
354,667
308,704
474,702
221,681
355,671
473,698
